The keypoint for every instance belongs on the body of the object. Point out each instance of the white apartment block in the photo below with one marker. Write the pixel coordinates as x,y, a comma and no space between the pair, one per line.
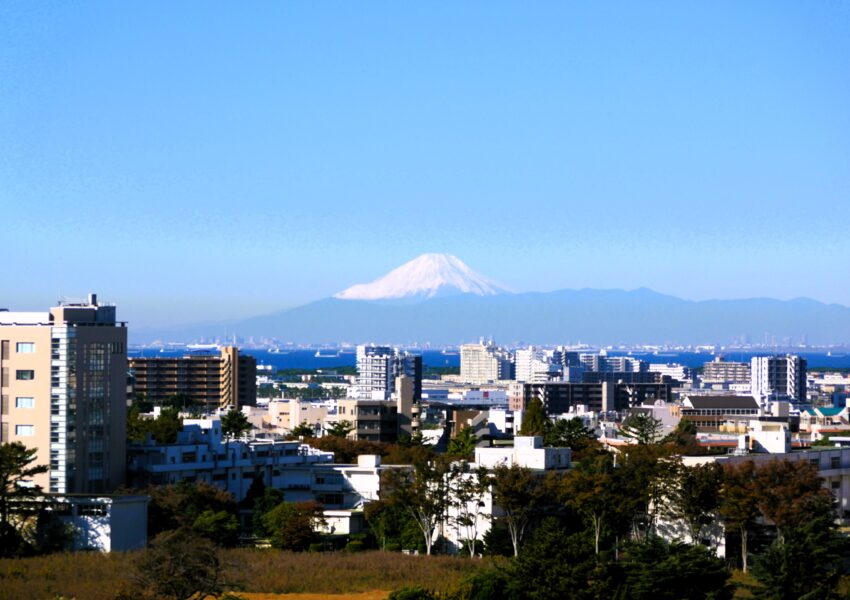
778,376
483,363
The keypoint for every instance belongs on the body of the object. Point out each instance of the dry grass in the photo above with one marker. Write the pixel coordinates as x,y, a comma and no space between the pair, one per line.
92,576
375,595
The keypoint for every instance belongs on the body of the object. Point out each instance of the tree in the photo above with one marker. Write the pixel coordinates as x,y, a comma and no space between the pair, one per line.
739,501
808,563
271,498
571,433
463,444
292,525
647,471
304,430
788,493
468,490
234,424
163,428
340,429
695,496
641,427
180,565
16,473
422,493
516,493
534,418
179,505
591,491
220,527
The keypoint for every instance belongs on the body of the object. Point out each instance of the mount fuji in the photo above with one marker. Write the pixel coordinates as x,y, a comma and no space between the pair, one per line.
427,276
437,299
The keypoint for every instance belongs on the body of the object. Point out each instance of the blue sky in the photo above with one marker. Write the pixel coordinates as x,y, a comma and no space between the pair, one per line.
197,160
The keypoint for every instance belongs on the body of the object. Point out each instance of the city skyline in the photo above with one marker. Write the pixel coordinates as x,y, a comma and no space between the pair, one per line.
205,163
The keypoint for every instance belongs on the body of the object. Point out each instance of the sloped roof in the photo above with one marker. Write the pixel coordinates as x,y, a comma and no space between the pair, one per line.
830,411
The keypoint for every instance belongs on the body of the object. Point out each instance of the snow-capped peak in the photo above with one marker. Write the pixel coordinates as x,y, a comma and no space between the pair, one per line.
426,276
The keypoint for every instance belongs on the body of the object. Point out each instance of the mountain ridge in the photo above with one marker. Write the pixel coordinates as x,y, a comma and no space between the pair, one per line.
588,315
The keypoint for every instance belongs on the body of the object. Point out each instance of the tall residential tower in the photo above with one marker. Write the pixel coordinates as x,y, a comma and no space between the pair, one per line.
63,376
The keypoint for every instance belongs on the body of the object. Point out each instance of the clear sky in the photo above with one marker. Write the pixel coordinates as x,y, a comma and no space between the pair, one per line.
195,161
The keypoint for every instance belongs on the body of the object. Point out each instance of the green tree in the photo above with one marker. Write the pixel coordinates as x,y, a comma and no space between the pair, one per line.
422,493
304,430
180,565
222,528
641,427
234,424
292,525
657,570
590,489
739,502
340,429
179,505
271,498
516,491
807,563
571,433
647,471
16,473
694,496
534,418
468,489
463,444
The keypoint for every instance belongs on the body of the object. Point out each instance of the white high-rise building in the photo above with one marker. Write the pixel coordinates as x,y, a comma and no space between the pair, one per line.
379,366
484,362
535,365
778,376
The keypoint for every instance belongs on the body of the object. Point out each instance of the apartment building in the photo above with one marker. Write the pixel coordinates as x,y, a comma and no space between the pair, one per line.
63,375
723,371
778,376
378,367
483,363
605,396
227,379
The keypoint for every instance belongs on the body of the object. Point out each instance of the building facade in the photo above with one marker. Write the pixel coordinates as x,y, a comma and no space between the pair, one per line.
562,397
484,362
224,380
64,392
778,376
378,367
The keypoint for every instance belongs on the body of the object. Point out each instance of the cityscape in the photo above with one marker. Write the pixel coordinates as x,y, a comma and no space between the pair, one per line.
425,302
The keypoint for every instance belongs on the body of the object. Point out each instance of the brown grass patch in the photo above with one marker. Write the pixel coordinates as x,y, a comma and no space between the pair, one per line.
269,573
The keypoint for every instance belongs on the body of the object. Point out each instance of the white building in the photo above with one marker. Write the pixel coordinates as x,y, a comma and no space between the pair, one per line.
782,376
202,454
483,363
378,367
527,451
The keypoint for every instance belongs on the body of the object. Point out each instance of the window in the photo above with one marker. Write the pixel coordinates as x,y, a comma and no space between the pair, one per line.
24,402
24,430
835,462
25,347
24,374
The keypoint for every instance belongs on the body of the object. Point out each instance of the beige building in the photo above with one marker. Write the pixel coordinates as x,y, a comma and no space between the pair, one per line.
63,376
484,363
224,380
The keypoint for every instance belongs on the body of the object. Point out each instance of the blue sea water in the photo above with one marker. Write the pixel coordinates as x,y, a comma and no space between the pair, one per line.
307,359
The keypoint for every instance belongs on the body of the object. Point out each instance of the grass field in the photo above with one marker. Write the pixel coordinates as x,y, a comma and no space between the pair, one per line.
262,573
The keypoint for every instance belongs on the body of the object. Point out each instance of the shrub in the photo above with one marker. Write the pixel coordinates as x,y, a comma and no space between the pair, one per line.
414,592
354,546
316,547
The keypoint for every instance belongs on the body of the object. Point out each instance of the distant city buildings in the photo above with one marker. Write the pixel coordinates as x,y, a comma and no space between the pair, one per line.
64,393
227,379
720,371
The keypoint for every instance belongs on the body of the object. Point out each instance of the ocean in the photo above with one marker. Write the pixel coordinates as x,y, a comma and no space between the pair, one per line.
307,359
